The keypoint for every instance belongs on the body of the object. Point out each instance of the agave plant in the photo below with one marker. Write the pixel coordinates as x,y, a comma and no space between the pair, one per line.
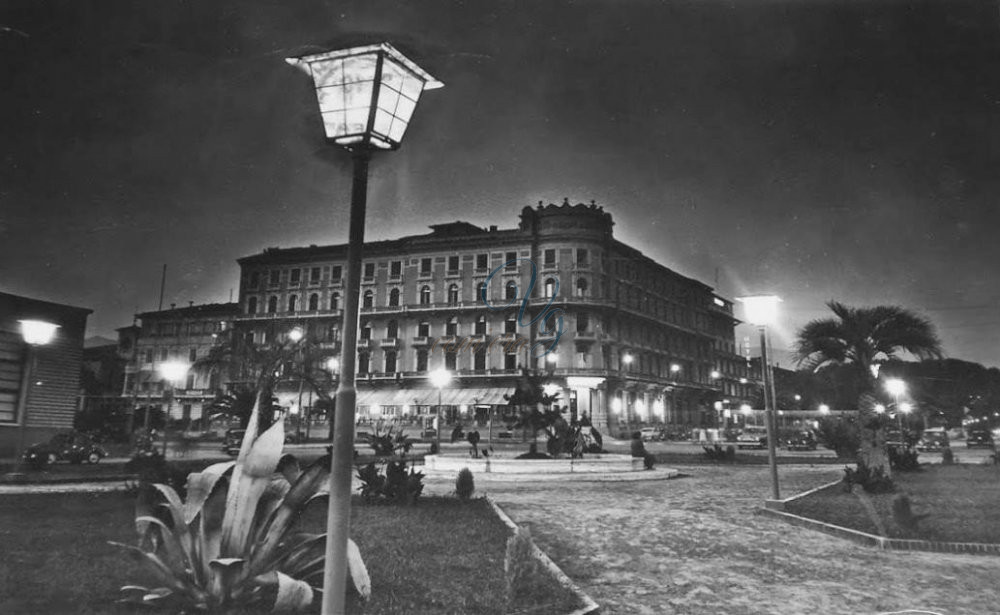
232,545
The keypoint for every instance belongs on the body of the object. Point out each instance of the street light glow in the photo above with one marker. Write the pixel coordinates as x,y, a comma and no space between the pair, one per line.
895,386
37,332
333,364
715,375
295,334
674,368
760,310
551,388
824,409
905,407
879,408
627,358
174,371
440,377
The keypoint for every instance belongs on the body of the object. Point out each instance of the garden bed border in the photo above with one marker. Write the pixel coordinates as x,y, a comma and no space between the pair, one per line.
776,509
589,606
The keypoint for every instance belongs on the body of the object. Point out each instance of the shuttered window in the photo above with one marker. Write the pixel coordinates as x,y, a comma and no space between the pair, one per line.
11,362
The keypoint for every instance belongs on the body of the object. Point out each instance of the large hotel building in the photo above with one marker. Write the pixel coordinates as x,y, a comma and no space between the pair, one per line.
629,341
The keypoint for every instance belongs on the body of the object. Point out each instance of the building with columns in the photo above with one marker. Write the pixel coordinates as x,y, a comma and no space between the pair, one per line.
628,341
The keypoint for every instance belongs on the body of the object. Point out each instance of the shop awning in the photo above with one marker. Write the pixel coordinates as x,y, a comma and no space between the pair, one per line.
429,397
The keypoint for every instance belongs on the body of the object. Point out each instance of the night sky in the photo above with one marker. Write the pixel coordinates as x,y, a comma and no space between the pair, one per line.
817,150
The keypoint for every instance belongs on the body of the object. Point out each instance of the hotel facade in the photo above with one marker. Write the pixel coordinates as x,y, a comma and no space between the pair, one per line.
626,341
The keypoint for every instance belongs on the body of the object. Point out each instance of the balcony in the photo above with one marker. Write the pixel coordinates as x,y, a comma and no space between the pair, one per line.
304,315
422,340
389,342
364,343
587,336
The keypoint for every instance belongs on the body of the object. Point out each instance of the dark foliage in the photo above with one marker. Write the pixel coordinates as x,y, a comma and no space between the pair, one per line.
841,436
151,467
872,481
719,454
947,457
465,485
387,443
903,459
902,513
395,486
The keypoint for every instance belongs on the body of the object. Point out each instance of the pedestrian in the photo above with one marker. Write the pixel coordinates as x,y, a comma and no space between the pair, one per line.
473,439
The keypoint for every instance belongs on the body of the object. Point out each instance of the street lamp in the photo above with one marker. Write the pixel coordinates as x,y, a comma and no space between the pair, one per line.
439,379
366,98
824,409
35,333
761,311
896,387
173,372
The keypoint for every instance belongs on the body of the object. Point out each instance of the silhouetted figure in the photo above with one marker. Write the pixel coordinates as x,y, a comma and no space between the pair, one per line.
473,439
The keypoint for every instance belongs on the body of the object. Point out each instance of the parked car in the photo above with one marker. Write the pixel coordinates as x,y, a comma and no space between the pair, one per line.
933,441
979,437
648,434
752,437
72,447
804,440
232,441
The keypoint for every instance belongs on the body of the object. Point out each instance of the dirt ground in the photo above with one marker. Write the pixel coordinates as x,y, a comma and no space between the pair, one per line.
696,545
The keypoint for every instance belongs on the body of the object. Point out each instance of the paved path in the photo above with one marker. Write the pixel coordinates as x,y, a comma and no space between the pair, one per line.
695,545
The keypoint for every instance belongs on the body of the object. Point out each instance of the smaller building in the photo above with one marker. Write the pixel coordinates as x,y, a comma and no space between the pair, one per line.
49,398
184,334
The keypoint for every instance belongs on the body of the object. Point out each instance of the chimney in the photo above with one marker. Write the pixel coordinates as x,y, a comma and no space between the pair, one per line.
173,305
493,228
190,303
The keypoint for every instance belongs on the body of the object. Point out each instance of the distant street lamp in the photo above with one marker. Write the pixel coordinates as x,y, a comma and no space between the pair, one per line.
35,333
439,379
896,387
366,97
173,372
824,409
761,311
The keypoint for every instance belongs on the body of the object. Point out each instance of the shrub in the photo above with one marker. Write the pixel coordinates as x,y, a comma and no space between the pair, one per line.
947,457
903,459
394,486
465,486
872,481
152,468
840,436
386,444
719,454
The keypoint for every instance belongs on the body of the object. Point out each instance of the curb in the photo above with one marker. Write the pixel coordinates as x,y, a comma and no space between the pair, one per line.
590,607
599,477
775,508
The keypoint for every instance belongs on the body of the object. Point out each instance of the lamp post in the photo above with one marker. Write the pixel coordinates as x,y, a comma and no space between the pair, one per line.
439,379
366,97
35,333
173,372
761,311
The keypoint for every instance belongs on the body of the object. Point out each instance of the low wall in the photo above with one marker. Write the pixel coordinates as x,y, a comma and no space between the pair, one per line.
507,465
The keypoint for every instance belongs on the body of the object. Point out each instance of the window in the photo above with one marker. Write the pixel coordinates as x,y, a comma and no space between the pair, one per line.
363,362
296,276
510,361
450,360
581,287
189,385
336,273
392,330
366,331
425,266
453,294
452,264
272,305
395,269
425,295
163,354
368,300
582,323
192,356
148,357
481,325
582,258
254,280
313,302
314,274
252,305
482,262
421,360
451,328
394,297
510,325
479,359
479,291
275,278
293,303
424,329
390,361
335,301
550,258
511,259
369,270
510,290
550,287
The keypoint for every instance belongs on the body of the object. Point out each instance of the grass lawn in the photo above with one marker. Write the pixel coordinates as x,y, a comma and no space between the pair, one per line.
963,503
439,557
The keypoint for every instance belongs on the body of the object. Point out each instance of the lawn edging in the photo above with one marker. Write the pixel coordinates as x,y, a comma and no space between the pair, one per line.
590,607
776,509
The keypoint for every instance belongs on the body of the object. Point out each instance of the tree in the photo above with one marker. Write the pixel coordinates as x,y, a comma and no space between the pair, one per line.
527,398
859,338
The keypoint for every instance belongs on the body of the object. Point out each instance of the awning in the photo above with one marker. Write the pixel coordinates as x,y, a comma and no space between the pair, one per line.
429,397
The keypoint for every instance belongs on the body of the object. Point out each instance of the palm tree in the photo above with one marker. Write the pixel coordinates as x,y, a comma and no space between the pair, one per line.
860,338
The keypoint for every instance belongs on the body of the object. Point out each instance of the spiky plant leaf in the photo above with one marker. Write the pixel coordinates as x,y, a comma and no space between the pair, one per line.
200,485
293,595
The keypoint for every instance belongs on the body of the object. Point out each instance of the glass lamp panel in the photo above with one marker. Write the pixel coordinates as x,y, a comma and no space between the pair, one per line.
331,98
383,120
327,72
397,130
412,87
335,124
387,99
405,107
358,94
360,68
393,74
356,120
